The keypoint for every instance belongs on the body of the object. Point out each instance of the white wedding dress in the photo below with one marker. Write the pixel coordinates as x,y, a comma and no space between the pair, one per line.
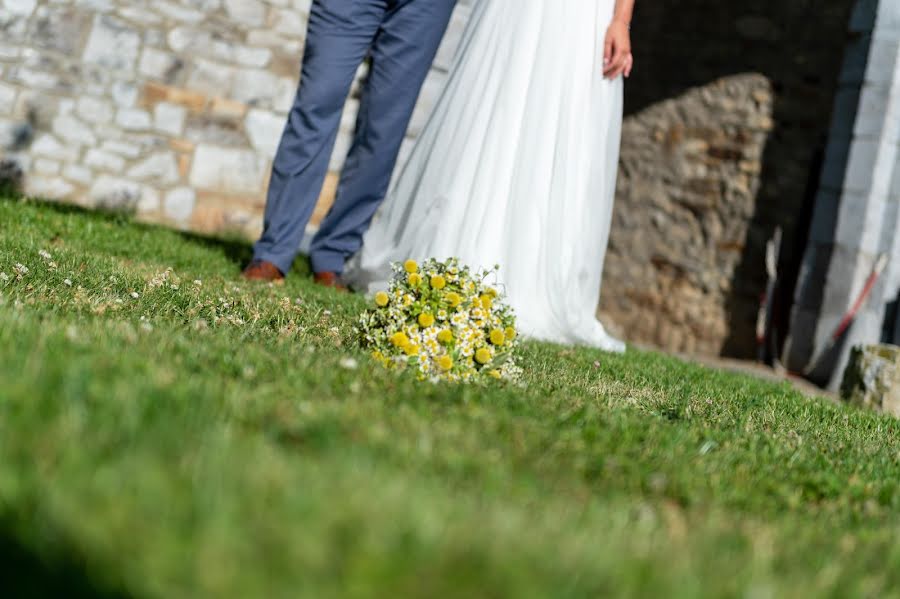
516,167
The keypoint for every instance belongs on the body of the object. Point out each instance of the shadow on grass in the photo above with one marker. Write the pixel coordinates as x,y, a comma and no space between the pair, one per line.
239,251
235,249
26,575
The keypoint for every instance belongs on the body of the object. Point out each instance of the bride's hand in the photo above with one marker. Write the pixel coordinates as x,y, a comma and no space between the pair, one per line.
617,58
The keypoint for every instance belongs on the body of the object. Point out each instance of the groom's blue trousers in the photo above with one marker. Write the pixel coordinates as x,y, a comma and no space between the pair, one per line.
401,37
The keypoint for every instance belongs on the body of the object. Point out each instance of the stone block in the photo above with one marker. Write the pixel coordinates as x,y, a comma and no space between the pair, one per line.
882,59
20,8
228,170
7,134
208,218
9,51
285,91
250,56
139,16
112,44
205,129
264,130
115,193
46,166
251,13
431,92
160,167
123,148
452,38
7,98
94,110
78,174
149,202
339,154
326,198
60,29
97,6
182,145
134,119
872,378
153,93
894,193
847,272
289,23
35,79
269,39
104,161
252,86
51,188
211,78
49,146
178,12
229,214
180,39
861,172
160,65
227,109
124,94
179,203
860,221
875,112
169,118
184,165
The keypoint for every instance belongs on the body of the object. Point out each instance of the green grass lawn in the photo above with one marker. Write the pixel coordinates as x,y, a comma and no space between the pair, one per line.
188,435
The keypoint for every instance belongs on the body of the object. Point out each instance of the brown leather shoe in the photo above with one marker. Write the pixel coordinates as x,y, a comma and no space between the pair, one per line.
260,270
330,279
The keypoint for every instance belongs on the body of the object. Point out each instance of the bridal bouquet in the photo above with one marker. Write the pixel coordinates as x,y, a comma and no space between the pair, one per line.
444,321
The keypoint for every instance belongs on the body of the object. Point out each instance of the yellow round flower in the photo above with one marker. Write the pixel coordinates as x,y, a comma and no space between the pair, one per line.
495,373
426,319
411,349
453,299
487,301
414,279
445,336
492,292
498,337
382,299
410,266
483,355
400,339
510,333
438,282
445,362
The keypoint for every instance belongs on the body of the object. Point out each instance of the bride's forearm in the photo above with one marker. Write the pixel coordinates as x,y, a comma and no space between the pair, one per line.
624,11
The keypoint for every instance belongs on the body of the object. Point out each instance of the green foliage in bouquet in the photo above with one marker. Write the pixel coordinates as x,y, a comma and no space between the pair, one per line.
444,321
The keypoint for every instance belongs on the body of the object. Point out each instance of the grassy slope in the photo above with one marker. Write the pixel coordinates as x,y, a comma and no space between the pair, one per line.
214,440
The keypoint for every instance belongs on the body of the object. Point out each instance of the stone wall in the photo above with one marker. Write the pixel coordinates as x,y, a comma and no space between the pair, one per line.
170,108
728,110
